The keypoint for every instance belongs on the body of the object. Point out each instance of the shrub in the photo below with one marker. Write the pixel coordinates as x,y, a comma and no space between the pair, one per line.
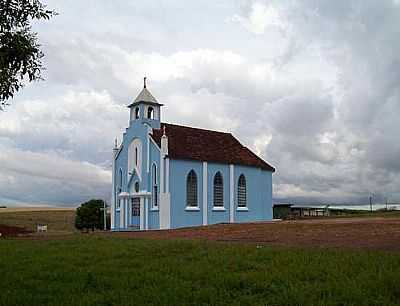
90,215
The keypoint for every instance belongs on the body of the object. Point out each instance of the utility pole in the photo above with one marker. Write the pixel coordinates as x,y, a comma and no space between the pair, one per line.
370,202
105,215
386,203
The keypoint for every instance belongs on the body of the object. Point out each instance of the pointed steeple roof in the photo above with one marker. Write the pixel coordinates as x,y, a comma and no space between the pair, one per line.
144,96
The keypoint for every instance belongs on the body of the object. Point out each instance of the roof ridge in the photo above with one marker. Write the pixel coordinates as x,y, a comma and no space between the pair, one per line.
196,128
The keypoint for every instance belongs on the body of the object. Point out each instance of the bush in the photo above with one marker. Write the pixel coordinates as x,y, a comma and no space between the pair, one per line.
90,215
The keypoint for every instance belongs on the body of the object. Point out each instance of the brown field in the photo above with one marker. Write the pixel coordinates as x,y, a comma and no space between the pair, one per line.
376,233
58,220
380,233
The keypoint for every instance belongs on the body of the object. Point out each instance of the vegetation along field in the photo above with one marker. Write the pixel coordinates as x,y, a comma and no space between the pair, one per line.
107,270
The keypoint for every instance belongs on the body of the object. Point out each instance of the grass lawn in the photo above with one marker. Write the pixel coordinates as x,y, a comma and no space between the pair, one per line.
93,270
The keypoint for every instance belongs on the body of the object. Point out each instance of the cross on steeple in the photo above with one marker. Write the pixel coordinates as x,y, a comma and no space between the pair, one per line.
144,82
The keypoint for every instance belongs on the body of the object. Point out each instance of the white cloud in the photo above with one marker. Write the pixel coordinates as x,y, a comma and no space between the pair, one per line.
260,17
315,92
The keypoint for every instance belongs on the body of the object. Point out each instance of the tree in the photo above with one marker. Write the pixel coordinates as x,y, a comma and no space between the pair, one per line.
90,215
20,54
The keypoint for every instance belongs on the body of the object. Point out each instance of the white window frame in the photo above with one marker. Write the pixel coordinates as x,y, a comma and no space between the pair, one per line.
239,196
135,153
154,184
152,113
218,207
192,207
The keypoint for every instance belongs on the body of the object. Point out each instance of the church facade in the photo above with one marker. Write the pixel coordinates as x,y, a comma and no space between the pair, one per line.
169,176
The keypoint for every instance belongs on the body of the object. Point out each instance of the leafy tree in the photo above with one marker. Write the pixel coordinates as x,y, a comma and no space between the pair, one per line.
20,54
90,215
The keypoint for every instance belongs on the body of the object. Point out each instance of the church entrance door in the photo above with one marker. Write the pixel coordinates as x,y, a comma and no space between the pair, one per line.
136,212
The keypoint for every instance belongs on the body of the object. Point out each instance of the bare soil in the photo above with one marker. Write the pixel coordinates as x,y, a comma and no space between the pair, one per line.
376,233
12,231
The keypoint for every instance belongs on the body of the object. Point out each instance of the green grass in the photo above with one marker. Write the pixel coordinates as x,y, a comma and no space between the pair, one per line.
90,270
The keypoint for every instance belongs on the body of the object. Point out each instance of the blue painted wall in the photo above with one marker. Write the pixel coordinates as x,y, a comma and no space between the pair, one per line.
213,215
258,191
258,194
179,169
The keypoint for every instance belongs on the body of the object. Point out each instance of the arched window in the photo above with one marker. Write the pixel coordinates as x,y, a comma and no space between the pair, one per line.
150,113
241,191
136,186
118,199
155,186
191,189
120,178
218,190
137,113
135,157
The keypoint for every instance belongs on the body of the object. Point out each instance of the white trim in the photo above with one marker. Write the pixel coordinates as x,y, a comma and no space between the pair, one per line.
138,173
155,144
165,211
231,194
161,173
148,154
141,213
135,146
113,193
140,194
146,209
154,209
242,208
167,175
121,213
205,199
119,150
129,213
126,212
192,208
152,185
218,208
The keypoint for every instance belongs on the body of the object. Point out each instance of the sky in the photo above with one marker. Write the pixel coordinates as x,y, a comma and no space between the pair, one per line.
312,86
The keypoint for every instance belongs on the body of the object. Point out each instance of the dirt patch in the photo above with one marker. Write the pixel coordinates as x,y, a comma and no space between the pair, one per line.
12,231
366,233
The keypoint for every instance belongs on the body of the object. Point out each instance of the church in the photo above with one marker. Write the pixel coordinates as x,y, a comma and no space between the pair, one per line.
168,176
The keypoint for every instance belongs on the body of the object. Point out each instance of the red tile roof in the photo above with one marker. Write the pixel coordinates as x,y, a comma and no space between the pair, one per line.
205,145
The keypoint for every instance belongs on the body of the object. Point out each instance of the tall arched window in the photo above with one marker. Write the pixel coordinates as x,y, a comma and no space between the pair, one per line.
155,186
135,157
120,178
241,191
191,189
218,190
137,113
150,113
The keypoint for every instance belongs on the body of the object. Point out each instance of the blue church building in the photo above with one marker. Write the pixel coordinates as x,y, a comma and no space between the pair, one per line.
169,176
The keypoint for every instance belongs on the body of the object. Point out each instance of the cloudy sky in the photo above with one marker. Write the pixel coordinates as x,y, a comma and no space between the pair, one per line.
311,86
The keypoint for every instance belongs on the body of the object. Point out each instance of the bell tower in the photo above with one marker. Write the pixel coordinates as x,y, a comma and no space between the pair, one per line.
145,108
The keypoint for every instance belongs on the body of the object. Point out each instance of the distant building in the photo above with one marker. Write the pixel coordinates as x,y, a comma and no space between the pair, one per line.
285,211
169,176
